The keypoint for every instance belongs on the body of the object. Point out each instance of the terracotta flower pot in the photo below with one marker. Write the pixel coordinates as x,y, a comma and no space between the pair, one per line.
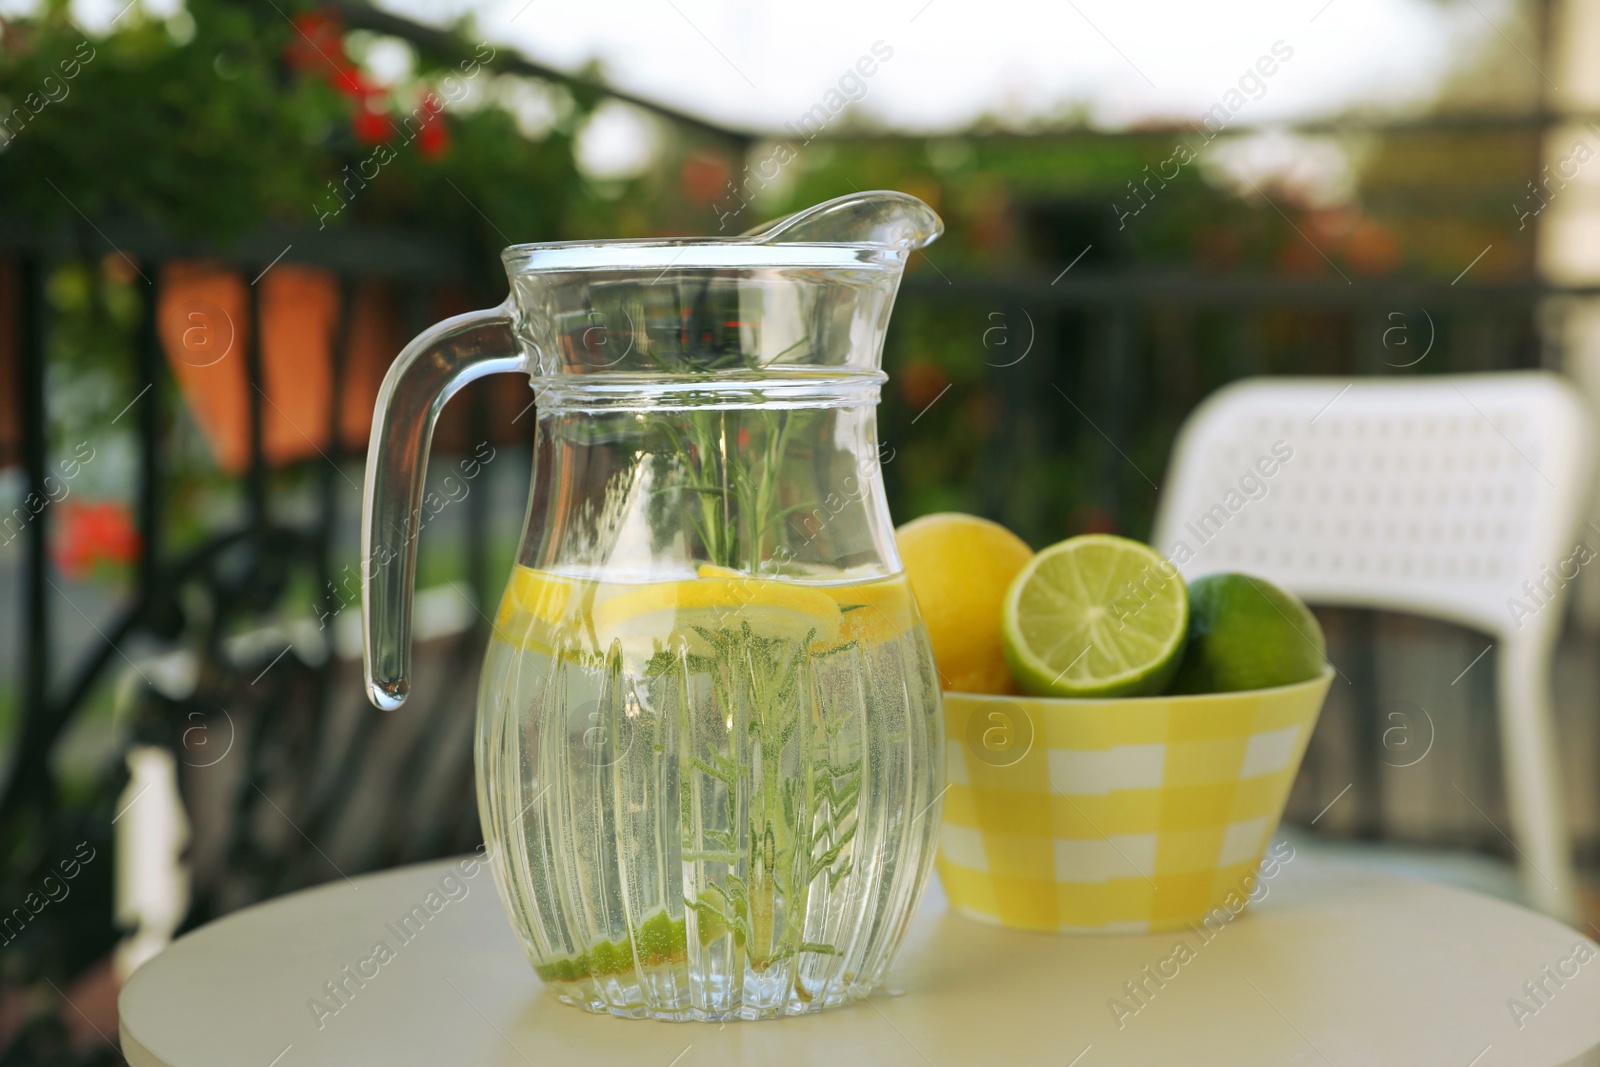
375,339
299,314
203,320
204,323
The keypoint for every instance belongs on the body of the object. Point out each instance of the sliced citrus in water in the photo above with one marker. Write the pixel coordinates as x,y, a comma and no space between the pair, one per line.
652,615
533,608
1095,616
537,593
874,609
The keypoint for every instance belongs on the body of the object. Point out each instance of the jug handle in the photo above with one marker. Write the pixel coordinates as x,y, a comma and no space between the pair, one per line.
429,371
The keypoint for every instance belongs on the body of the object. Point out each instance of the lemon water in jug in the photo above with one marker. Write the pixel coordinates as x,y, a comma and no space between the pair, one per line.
709,752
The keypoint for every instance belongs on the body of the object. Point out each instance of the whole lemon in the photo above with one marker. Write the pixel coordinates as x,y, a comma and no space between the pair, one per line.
959,567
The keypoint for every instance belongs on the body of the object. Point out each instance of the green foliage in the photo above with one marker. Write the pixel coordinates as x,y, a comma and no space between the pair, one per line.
201,138
200,128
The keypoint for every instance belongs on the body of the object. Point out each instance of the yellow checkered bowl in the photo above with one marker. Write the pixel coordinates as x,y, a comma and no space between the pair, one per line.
1115,816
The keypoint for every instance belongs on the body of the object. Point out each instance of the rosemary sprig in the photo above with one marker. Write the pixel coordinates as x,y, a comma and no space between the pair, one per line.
728,467
796,829
729,462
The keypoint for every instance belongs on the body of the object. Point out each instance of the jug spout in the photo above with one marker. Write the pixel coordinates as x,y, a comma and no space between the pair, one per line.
880,217
808,292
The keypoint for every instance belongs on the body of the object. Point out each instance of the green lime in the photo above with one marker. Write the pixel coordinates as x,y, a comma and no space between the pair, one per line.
1095,616
1246,633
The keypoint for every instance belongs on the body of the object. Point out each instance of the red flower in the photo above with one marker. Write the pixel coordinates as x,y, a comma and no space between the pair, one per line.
318,48
433,140
352,81
371,127
921,383
94,533
433,136
704,176
318,40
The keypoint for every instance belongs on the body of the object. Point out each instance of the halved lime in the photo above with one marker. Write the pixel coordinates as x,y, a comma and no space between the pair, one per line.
1095,616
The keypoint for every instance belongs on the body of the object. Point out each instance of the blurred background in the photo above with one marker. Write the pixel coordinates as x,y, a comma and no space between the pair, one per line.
219,222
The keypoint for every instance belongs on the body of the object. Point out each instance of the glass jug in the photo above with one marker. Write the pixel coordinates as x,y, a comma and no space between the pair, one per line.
709,750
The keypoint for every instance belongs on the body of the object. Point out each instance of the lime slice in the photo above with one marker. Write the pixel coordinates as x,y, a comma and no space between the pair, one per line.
1095,616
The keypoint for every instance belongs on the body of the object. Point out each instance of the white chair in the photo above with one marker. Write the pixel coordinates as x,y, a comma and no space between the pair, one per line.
1461,498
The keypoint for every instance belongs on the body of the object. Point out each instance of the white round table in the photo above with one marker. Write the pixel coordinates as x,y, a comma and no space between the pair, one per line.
1336,967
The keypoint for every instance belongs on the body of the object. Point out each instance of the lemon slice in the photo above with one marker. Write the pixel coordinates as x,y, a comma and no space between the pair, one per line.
872,608
1095,616
544,596
534,608
875,610
647,618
